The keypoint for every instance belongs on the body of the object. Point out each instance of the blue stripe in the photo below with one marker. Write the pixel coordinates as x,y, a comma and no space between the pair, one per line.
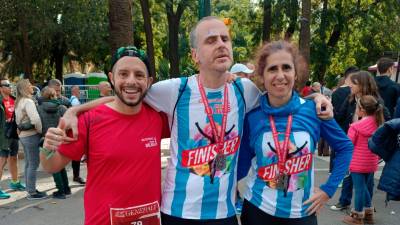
283,204
182,174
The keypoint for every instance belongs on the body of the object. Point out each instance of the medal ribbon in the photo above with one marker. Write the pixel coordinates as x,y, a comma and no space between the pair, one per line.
281,152
220,137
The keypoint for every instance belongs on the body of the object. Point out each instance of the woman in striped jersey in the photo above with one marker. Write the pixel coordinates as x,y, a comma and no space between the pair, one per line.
278,144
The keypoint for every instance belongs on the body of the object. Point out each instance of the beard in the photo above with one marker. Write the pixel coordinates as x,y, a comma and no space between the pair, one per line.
131,104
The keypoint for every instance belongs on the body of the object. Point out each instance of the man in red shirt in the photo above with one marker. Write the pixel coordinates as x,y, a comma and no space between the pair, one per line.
122,142
10,154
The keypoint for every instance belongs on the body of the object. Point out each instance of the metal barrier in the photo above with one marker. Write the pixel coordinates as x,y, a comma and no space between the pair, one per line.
87,92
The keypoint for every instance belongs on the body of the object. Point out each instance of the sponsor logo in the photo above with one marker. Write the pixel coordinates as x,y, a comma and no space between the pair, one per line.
292,166
204,154
149,142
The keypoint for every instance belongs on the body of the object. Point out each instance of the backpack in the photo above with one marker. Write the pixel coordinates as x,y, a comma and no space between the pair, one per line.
182,89
11,128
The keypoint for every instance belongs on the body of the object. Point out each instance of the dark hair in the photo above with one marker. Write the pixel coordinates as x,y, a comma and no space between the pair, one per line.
366,83
131,51
372,107
350,70
384,64
268,49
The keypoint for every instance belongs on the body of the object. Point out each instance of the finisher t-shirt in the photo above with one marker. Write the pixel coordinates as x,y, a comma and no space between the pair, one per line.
9,107
188,191
124,163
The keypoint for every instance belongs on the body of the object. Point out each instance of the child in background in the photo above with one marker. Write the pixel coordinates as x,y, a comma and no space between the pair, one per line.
364,163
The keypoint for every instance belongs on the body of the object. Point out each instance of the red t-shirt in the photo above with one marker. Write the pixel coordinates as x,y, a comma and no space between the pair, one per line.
9,104
124,161
305,91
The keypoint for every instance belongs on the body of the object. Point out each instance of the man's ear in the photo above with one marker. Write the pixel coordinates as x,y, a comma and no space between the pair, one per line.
194,55
150,82
111,76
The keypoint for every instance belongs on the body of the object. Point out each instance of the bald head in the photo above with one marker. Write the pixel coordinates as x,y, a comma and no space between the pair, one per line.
193,32
104,88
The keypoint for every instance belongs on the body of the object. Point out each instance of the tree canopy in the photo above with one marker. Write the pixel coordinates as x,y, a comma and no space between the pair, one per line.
37,36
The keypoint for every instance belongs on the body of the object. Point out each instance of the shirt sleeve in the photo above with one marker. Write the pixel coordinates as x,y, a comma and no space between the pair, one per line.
251,94
165,126
246,152
352,134
33,115
75,150
343,148
162,95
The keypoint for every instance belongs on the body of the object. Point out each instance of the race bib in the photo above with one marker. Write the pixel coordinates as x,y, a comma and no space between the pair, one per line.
147,214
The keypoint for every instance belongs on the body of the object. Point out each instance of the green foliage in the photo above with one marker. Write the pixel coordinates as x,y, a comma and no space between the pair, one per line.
366,28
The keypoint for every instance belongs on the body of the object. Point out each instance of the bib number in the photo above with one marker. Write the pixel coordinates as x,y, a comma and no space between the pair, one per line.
147,214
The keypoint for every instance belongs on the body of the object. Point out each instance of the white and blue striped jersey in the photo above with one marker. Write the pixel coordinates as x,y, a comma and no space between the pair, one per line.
187,191
258,152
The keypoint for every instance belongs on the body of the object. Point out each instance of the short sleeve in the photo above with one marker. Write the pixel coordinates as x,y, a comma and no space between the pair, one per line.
251,94
162,95
75,150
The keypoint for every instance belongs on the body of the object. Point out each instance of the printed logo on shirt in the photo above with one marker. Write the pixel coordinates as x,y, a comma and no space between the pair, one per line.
298,163
205,154
149,142
200,158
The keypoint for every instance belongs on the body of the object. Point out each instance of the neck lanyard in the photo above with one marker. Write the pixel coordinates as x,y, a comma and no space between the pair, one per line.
220,137
281,152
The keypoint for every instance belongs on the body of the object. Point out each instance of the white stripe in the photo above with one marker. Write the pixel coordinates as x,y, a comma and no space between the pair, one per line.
222,207
193,201
168,188
296,204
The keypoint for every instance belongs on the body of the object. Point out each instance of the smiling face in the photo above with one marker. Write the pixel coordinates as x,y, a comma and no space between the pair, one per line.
279,76
213,50
131,80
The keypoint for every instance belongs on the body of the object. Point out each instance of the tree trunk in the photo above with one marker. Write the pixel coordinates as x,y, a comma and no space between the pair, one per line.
267,21
323,55
149,37
173,34
121,26
292,13
26,50
305,36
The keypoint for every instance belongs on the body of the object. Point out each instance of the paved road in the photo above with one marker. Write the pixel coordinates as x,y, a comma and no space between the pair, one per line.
18,210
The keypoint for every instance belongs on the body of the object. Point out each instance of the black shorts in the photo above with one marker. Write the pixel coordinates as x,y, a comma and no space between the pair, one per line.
252,215
13,149
172,220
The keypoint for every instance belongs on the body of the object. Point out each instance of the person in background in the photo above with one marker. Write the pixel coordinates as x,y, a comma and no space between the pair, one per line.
388,89
57,86
241,70
104,88
76,164
8,137
316,87
75,94
306,90
386,144
26,112
364,163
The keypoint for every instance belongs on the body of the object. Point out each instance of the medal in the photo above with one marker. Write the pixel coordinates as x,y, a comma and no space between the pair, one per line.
219,162
282,179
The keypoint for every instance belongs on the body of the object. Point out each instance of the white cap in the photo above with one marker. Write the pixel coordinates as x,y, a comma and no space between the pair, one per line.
240,68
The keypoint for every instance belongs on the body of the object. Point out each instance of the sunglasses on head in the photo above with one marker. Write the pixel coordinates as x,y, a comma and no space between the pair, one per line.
5,85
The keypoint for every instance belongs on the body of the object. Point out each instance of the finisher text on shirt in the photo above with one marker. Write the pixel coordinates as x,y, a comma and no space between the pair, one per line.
292,166
203,155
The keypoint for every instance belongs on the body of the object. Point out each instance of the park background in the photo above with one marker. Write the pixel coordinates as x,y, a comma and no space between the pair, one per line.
40,39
